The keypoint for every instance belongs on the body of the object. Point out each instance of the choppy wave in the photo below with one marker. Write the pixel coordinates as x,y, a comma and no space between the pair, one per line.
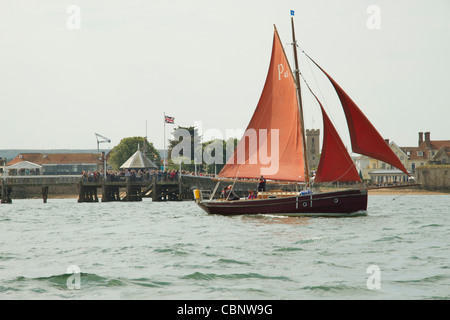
232,276
61,286
174,250
61,281
425,280
232,261
334,288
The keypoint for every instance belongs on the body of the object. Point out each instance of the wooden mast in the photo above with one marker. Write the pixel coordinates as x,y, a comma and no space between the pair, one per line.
300,106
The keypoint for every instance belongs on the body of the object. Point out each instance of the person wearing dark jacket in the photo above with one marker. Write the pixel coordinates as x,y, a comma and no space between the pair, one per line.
261,184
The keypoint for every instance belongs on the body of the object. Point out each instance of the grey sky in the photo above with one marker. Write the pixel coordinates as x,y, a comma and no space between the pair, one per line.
133,60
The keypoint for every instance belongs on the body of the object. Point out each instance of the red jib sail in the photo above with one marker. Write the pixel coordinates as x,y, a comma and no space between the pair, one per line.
272,145
335,162
364,137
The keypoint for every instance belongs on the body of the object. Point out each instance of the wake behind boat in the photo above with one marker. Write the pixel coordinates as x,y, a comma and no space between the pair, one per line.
278,121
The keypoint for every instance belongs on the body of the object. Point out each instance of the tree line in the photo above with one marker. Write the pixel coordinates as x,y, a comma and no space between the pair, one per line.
128,146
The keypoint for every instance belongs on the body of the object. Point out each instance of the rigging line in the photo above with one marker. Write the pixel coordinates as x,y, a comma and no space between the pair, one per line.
315,79
314,76
330,115
307,85
317,84
353,164
401,195
317,100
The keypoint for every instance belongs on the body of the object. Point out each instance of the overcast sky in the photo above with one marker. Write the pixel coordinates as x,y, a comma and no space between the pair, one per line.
196,60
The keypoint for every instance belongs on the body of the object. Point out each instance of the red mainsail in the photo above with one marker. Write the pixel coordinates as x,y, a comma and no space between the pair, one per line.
364,137
275,126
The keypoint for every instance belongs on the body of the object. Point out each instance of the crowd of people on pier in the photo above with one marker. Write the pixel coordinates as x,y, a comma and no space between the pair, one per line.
113,176
140,175
165,175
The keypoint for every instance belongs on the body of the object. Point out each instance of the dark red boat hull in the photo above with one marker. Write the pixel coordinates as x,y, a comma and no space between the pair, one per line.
339,203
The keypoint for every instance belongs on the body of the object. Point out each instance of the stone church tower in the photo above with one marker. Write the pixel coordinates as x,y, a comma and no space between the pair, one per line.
312,146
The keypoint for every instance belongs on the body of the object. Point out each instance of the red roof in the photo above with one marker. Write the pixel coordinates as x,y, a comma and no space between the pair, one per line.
58,158
425,148
437,144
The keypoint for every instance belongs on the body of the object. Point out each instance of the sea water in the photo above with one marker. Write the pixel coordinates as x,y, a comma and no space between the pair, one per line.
173,250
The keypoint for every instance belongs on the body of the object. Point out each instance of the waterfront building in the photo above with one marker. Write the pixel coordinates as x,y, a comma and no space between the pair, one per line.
376,170
427,152
54,163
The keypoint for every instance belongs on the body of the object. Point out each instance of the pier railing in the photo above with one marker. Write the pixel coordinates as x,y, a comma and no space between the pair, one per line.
41,180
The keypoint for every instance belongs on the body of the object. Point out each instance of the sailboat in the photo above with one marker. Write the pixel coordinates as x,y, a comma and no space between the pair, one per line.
278,118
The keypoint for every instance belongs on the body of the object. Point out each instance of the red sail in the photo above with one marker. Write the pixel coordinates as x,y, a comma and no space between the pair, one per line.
275,126
335,162
364,137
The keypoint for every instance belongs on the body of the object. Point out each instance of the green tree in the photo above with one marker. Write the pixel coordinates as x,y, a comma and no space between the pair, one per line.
193,132
127,147
204,148
216,167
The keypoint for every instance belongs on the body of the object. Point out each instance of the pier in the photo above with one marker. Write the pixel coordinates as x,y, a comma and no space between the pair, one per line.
9,182
118,189
121,188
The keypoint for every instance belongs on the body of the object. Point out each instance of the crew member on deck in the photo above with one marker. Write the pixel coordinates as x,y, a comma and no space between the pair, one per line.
261,184
230,195
225,192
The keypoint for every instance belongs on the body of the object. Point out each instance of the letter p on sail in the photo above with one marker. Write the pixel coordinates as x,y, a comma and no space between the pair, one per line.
280,71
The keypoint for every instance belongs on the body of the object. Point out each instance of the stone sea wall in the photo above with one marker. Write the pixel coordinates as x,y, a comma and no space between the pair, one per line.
434,177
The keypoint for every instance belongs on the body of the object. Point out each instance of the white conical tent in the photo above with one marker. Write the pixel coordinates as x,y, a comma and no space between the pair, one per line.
138,161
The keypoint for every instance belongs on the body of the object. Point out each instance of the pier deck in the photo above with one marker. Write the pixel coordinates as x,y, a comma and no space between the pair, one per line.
128,188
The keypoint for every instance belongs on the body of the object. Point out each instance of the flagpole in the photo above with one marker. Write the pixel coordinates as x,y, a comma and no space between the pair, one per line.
164,161
145,140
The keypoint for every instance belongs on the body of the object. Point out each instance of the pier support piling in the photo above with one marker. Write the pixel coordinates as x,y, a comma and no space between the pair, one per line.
44,194
6,192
